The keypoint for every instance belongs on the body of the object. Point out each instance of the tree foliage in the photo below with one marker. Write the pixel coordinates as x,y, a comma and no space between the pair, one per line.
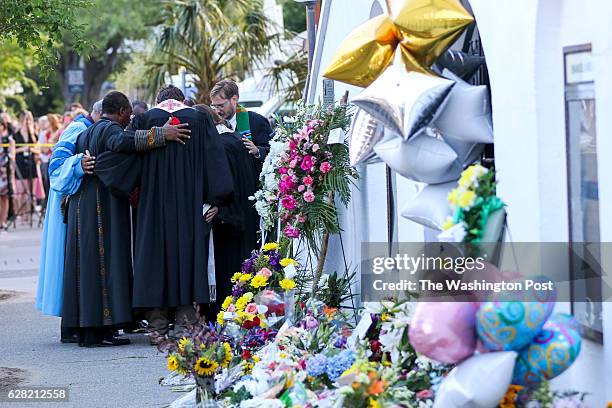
294,16
39,24
212,39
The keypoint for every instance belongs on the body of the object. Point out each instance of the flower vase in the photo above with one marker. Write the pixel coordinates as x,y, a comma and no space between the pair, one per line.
205,392
289,299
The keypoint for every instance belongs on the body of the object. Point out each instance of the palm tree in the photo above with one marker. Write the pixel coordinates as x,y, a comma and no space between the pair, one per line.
212,39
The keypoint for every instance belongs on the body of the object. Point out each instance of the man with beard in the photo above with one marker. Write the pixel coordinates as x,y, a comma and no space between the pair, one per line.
172,238
255,128
98,267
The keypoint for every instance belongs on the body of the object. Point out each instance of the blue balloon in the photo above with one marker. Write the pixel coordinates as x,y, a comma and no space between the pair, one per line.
552,351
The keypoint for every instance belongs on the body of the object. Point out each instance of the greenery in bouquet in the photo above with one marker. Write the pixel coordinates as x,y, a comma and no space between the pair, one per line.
264,272
472,201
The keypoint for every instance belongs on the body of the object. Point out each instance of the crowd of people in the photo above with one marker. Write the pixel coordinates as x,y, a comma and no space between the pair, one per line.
148,213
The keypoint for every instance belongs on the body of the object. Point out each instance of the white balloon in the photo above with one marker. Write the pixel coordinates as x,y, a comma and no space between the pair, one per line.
481,381
466,115
430,208
423,158
365,132
404,102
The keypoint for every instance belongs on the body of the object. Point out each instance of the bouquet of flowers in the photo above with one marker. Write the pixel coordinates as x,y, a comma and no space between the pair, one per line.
472,202
304,170
254,297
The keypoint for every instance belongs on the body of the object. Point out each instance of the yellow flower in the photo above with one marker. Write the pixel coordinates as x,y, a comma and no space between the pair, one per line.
247,368
184,343
236,277
466,199
227,302
283,355
448,224
385,317
285,262
205,367
287,284
452,196
372,403
245,277
244,300
270,246
228,355
259,281
172,362
256,358
220,319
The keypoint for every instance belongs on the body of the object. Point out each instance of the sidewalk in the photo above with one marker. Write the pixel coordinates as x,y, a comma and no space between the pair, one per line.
31,354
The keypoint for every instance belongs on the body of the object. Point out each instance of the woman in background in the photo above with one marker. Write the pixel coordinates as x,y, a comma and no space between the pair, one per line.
26,166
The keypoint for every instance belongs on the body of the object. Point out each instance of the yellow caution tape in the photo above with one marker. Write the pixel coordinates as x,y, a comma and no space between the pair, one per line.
28,145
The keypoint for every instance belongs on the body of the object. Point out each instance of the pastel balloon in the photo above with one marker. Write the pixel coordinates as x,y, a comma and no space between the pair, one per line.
511,325
443,331
481,381
552,351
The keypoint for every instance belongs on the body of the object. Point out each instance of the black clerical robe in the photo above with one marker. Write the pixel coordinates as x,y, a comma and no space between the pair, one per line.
171,241
235,227
98,264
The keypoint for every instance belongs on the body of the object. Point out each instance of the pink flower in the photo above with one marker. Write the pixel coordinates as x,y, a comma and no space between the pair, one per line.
325,167
290,172
231,308
282,170
291,232
307,163
292,145
251,308
303,133
265,272
286,184
307,180
288,202
301,188
424,394
300,218
313,123
309,196
293,163
315,147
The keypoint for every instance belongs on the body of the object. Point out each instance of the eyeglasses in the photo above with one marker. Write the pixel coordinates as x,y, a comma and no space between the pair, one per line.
219,105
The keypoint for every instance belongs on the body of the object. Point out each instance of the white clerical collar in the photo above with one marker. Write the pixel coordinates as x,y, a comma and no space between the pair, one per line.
221,128
171,105
232,121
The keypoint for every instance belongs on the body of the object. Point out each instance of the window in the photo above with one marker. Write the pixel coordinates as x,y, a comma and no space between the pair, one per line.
583,192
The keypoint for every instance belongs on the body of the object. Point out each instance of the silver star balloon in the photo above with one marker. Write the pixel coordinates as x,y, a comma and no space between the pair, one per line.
425,157
404,102
430,207
466,116
459,63
364,133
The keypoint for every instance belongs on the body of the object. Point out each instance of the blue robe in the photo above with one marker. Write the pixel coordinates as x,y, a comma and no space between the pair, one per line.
65,174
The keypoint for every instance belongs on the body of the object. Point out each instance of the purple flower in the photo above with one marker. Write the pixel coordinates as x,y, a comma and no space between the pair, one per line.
340,342
237,290
315,365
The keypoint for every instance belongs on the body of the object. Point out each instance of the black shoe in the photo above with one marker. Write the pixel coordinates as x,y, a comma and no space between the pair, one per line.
107,342
72,339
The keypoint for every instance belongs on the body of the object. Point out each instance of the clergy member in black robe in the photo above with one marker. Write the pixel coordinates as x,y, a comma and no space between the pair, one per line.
98,264
172,236
235,224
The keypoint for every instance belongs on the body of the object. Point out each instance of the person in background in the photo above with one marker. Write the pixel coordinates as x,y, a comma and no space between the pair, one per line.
6,173
224,96
26,166
139,107
45,152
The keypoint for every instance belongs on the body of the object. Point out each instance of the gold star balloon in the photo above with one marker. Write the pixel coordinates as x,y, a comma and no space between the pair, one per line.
424,29
427,28
365,53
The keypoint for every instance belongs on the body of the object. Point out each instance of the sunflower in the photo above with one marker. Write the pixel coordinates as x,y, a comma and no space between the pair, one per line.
236,277
228,355
245,277
270,246
184,343
205,367
172,362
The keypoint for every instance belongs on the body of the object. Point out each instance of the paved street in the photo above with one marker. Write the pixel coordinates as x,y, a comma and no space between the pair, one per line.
31,354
